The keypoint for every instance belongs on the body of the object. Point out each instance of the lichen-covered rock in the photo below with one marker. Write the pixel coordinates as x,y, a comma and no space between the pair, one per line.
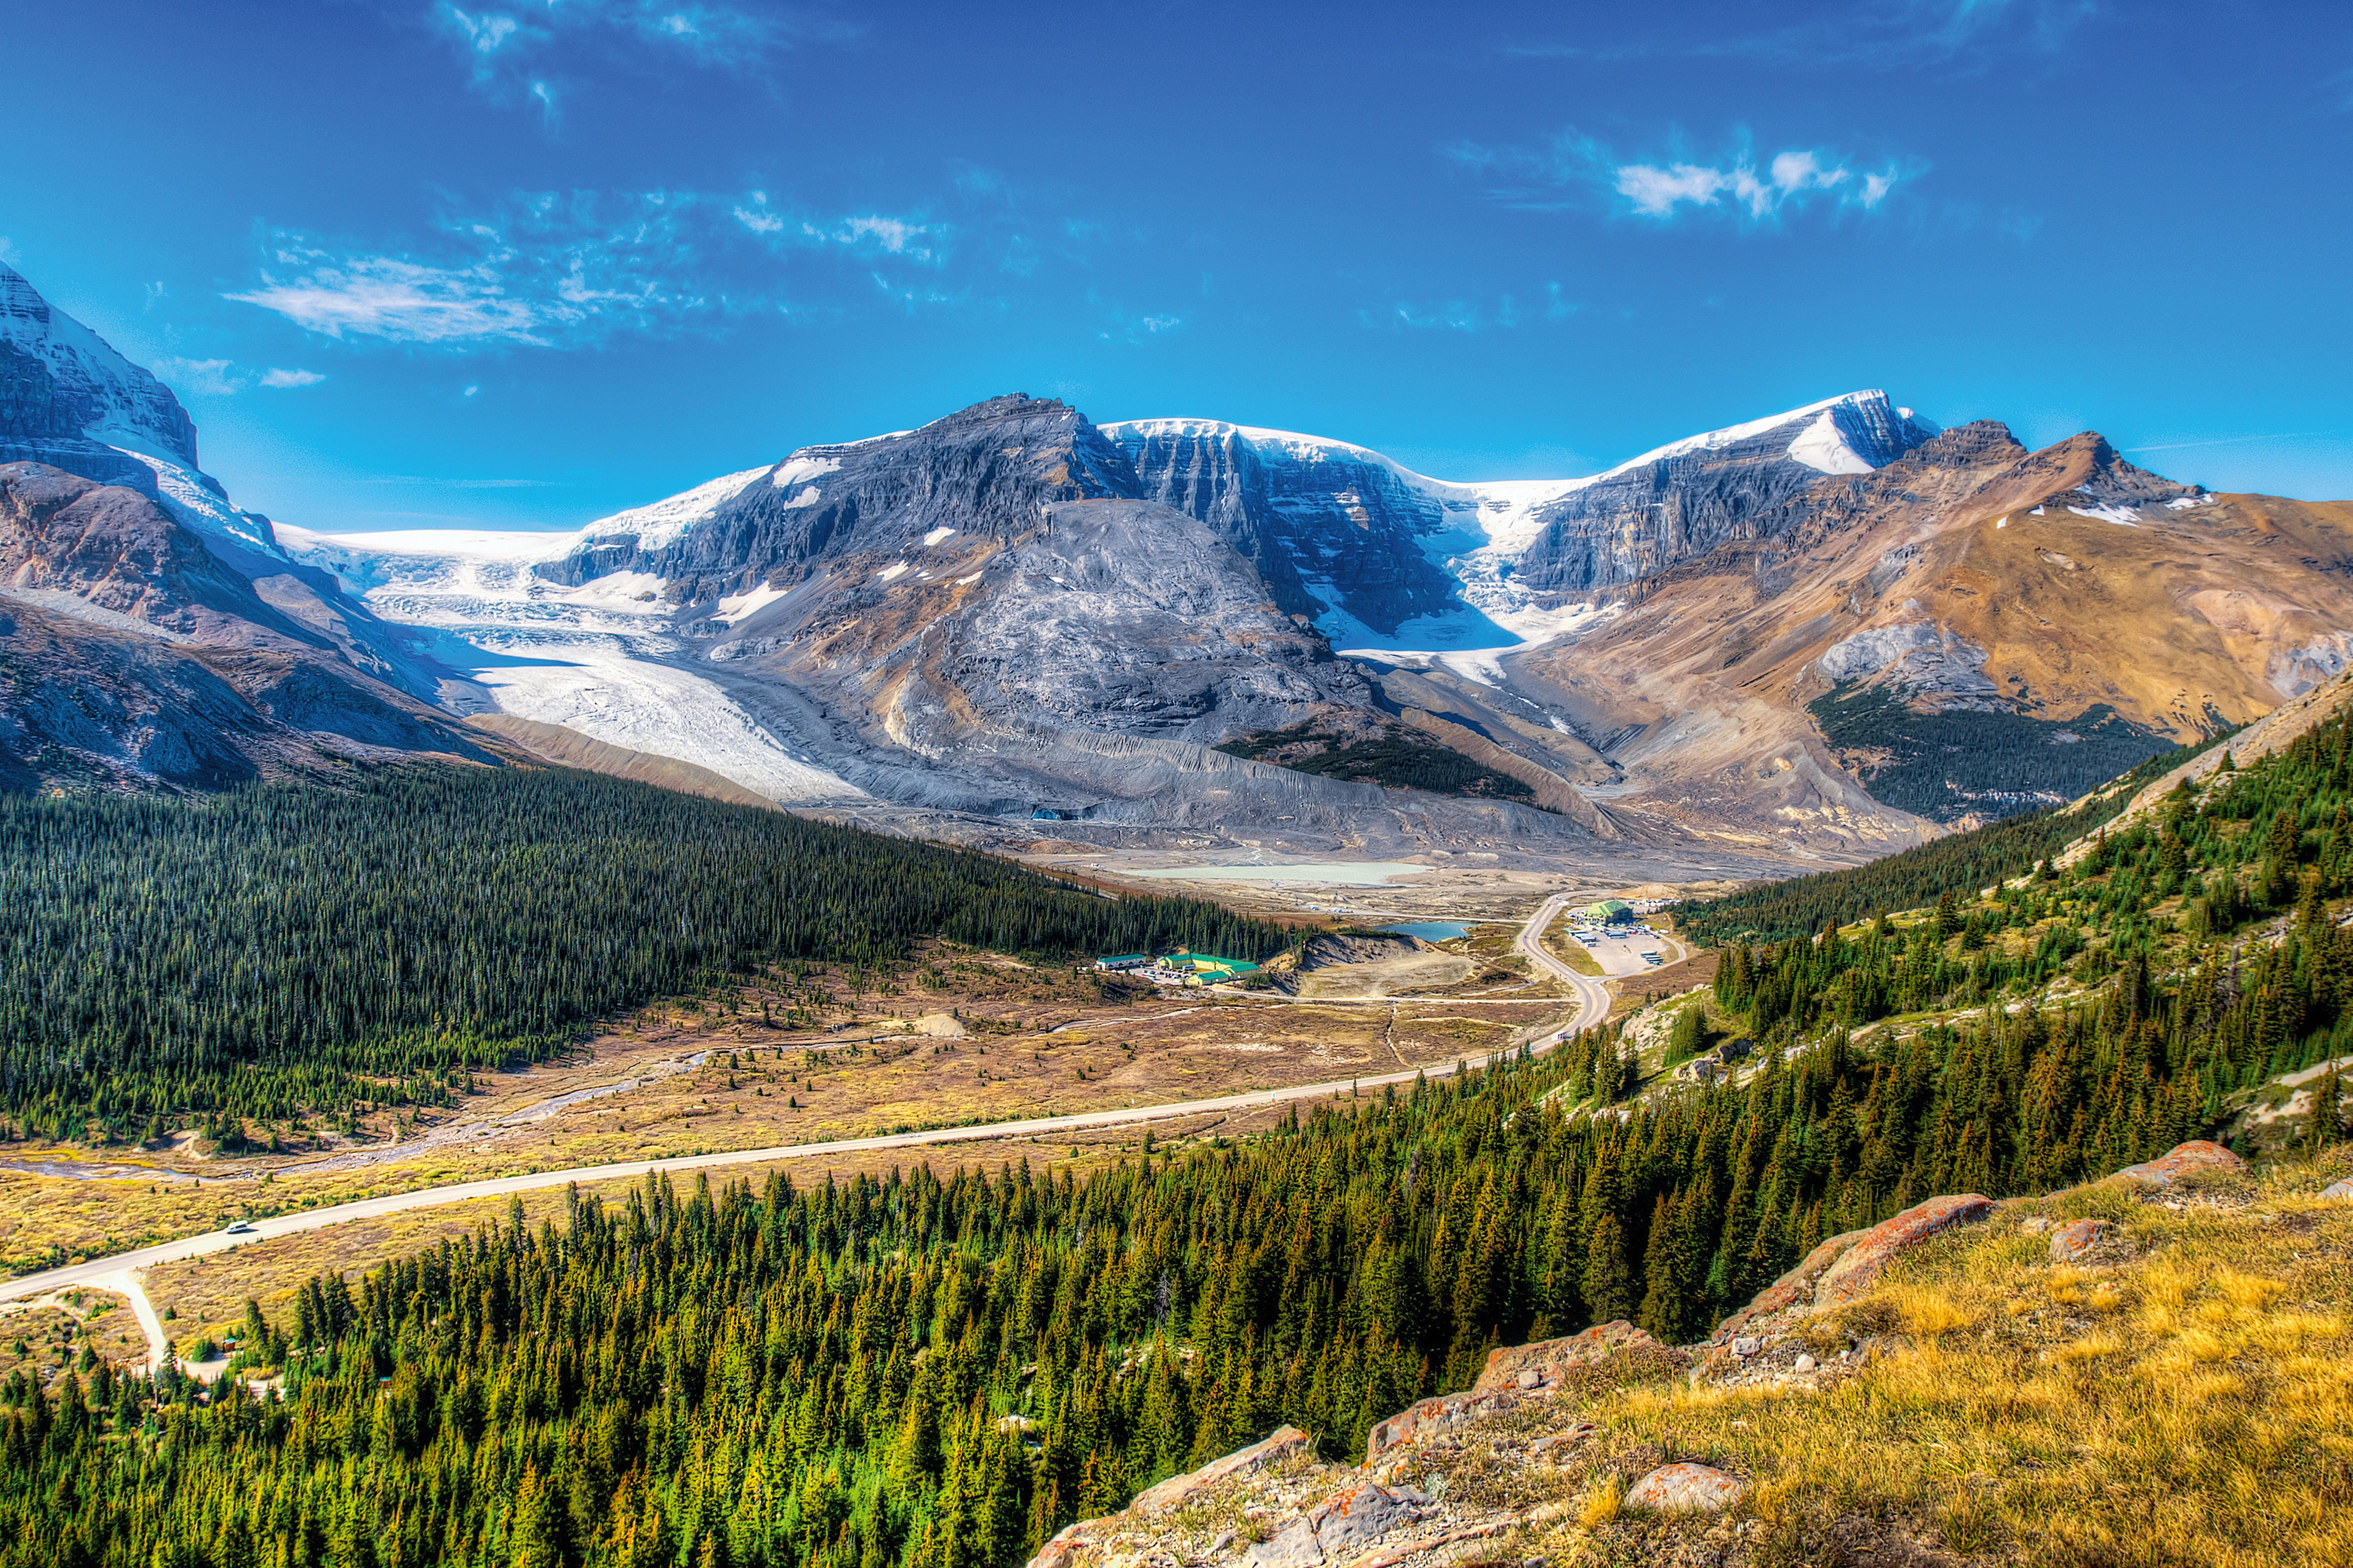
1543,1365
1173,1492
1846,1266
1340,1526
1443,1413
1858,1269
2198,1154
2071,1242
1685,1488
1793,1289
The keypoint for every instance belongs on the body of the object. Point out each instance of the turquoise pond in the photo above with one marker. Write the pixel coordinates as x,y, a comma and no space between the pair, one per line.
1431,931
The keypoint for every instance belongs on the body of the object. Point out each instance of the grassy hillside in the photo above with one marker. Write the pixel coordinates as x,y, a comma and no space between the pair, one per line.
288,950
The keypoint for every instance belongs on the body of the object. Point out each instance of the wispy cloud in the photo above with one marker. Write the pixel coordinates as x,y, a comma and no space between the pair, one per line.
393,298
222,378
205,377
1123,326
1574,170
571,270
1881,34
507,47
1502,313
870,234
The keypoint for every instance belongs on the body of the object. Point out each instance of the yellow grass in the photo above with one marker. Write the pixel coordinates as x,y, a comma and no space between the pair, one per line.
2190,1403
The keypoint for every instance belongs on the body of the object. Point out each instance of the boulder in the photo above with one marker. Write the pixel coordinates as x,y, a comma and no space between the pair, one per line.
1685,1488
2071,1242
1792,1289
1419,1422
1341,1525
1064,1548
1174,1492
2198,1154
1544,1364
1858,1269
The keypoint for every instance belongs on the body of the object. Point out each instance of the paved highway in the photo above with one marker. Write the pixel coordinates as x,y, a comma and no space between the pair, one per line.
113,1273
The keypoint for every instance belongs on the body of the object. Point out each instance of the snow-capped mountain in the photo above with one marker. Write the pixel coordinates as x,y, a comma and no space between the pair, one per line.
69,400
1012,610
1380,557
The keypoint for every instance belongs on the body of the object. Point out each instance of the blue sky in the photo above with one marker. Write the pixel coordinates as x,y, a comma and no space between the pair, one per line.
515,263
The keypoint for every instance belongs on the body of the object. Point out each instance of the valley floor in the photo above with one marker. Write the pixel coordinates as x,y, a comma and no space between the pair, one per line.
967,1058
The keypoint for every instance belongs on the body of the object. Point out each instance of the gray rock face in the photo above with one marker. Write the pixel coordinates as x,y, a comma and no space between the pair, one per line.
987,471
1651,514
1329,527
67,399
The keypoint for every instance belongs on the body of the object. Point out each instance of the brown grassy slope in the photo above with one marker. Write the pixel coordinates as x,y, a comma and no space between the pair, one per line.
2194,613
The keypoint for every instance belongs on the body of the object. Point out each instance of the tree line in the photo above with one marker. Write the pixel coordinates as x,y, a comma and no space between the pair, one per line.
1960,863
290,948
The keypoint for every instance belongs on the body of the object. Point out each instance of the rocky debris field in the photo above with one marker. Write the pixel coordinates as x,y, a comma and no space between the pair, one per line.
1609,1447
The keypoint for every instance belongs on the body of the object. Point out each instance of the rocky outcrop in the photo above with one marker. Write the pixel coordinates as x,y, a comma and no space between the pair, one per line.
1846,1267
1549,1363
1350,1521
2198,1154
1171,1494
1429,1417
1514,1459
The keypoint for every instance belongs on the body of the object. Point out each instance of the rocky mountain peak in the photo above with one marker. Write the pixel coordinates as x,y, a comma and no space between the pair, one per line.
1965,445
990,471
68,398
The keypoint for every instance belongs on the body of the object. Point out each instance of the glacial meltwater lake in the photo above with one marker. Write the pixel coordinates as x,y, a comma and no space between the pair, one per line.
1430,930
1326,873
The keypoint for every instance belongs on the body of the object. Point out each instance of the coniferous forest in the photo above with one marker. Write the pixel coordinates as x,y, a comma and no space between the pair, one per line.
292,948
1961,863
919,1372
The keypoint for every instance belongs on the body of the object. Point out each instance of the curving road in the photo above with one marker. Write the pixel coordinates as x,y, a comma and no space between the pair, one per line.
114,1272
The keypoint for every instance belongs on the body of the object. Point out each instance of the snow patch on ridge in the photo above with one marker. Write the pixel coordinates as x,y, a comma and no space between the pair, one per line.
195,501
1822,445
661,523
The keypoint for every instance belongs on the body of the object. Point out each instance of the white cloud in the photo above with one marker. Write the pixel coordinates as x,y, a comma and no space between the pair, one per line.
1562,174
497,46
291,378
485,35
568,270
205,377
394,299
1656,191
